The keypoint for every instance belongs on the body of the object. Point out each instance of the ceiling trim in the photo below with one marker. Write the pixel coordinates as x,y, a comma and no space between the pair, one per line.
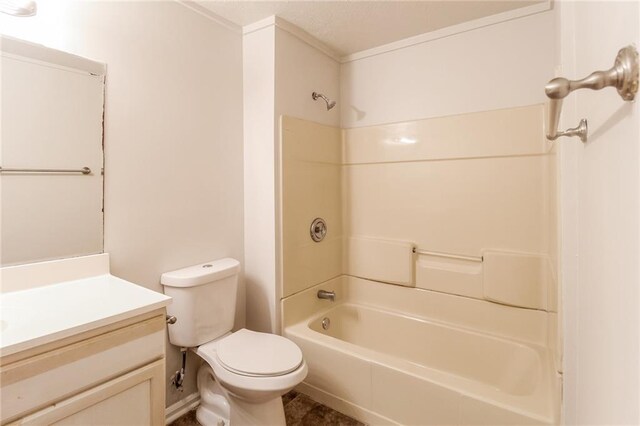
306,37
294,31
449,31
258,25
26,51
201,10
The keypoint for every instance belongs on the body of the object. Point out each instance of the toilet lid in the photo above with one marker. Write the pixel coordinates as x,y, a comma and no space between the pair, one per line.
258,354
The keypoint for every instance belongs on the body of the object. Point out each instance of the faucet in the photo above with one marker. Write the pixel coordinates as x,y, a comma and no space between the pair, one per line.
329,295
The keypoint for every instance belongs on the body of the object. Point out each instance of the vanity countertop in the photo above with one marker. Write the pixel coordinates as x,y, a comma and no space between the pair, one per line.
40,315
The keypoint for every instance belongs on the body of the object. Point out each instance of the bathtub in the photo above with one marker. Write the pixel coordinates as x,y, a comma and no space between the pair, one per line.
387,354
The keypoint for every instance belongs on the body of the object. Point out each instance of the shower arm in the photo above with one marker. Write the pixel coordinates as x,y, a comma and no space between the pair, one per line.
329,102
623,76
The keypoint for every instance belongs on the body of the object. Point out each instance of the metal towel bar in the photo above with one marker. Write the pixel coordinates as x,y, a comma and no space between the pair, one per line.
623,76
84,170
448,255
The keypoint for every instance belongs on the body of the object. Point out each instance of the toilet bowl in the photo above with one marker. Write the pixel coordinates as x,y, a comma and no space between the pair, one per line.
251,371
245,372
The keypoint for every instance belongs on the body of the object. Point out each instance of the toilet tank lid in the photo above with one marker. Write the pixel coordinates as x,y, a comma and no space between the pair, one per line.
201,274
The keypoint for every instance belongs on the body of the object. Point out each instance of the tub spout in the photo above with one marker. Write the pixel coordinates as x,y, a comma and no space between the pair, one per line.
329,295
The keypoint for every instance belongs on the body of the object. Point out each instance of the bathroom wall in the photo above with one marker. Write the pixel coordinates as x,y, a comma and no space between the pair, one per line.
173,134
258,51
479,184
447,185
304,67
453,185
495,67
498,66
311,187
600,193
282,67
428,89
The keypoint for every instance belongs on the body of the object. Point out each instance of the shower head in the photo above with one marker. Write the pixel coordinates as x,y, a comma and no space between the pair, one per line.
330,103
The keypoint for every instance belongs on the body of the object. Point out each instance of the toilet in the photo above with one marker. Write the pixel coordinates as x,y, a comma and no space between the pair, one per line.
245,373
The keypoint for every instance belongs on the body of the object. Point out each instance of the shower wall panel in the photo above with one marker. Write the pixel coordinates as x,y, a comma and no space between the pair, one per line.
310,188
475,185
479,187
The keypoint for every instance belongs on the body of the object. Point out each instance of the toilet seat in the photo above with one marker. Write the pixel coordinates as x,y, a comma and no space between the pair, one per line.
242,381
250,353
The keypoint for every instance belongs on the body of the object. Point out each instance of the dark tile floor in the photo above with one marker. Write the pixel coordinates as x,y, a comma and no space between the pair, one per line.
188,419
299,410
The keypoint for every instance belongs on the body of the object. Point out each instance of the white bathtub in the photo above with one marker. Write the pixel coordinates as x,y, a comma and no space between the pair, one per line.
407,356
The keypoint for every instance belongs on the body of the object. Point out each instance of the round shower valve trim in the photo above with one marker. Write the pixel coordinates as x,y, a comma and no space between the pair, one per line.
318,229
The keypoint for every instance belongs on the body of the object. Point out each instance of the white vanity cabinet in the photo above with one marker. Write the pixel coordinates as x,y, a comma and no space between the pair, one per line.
79,346
111,375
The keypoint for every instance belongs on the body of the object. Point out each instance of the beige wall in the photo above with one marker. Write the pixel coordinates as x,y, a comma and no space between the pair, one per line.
400,85
311,187
600,192
454,185
302,69
281,70
479,184
259,178
493,67
498,66
450,185
173,134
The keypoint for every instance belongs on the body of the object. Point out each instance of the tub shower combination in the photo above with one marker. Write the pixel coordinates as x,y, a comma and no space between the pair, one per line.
386,355
418,272
428,292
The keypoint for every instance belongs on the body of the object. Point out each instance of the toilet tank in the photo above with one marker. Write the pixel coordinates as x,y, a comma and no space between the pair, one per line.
204,301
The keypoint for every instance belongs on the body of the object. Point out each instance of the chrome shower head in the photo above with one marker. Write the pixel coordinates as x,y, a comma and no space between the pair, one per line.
330,103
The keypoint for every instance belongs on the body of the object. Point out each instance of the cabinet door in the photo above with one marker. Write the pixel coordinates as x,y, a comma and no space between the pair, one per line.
36,382
136,398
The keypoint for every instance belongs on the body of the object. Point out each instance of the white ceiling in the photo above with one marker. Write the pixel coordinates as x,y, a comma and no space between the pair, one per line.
347,27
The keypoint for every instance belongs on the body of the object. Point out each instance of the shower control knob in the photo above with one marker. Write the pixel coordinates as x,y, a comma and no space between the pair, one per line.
318,229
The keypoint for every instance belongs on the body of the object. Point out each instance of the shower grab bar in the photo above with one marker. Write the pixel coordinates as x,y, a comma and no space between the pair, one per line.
623,76
448,255
84,170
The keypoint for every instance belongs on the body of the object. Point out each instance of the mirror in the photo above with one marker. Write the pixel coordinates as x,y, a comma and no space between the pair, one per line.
51,127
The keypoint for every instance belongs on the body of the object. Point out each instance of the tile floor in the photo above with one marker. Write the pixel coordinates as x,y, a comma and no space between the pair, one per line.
299,410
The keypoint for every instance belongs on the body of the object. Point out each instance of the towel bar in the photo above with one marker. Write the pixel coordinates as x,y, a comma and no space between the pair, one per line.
448,255
84,170
623,76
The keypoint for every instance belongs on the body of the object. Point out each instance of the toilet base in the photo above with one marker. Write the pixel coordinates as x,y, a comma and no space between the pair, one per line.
264,413
220,408
208,417
214,409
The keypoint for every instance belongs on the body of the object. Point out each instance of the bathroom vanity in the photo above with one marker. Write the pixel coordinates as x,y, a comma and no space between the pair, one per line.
81,350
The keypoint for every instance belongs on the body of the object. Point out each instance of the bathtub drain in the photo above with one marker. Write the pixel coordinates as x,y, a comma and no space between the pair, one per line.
326,322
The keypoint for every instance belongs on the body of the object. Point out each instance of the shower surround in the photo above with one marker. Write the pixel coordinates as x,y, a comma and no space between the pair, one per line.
452,222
